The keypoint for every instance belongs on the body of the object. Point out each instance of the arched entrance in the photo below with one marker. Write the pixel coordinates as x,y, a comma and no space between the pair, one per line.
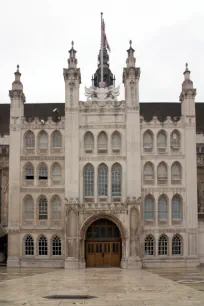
103,246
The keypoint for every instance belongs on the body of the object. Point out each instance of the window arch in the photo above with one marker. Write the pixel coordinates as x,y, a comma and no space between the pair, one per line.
161,141
29,171
42,246
176,173
29,140
102,180
56,207
149,245
42,140
116,141
162,173
56,139
28,208
148,172
176,208
88,142
102,142
149,208
163,245
56,172
56,246
148,141
88,180
42,208
116,180
42,172
163,208
175,140
28,245
176,245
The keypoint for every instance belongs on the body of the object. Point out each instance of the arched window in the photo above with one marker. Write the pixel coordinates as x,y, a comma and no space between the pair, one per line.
56,246
89,181
56,208
88,142
29,172
42,172
29,140
29,245
116,141
162,208
149,208
176,208
102,180
162,174
102,142
163,245
161,141
175,140
149,245
42,208
176,173
56,139
116,180
28,208
56,172
42,140
148,172
176,245
42,246
148,141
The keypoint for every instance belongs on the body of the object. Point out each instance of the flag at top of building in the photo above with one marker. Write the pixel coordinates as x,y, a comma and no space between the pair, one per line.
103,32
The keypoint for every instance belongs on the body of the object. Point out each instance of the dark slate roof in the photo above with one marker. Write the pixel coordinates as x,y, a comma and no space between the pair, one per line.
147,110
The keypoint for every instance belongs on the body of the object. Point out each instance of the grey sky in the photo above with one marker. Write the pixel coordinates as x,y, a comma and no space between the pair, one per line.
37,34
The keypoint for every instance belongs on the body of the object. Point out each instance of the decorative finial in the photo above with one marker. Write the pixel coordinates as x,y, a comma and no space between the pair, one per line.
72,43
130,43
186,66
17,68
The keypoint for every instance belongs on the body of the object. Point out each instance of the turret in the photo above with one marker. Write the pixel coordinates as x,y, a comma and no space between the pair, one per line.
131,76
72,78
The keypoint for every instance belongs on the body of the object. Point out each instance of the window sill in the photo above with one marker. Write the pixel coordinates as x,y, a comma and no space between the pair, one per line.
116,150
88,150
102,150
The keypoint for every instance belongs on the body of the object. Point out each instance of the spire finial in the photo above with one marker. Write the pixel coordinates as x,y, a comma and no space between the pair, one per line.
72,43
130,43
17,68
186,66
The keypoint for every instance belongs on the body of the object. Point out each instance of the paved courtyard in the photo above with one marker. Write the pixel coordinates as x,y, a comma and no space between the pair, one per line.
112,287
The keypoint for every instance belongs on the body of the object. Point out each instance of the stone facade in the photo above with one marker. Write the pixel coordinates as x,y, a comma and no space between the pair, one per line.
103,160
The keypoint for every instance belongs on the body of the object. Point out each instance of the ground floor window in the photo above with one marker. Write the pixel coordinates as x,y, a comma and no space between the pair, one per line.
163,245
176,245
42,246
29,245
56,246
149,245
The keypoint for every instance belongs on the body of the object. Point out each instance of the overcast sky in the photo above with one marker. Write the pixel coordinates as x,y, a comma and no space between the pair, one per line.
37,34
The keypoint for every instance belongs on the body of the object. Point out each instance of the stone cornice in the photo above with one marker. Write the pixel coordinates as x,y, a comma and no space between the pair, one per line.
42,190
102,158
103,126
162,189
43,157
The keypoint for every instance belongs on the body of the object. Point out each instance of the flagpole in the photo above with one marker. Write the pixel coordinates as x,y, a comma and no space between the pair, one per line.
102,49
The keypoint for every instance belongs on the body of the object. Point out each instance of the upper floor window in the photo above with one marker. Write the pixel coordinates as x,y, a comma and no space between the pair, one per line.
89,181
163,208
176,208
42,172
42,208
28,208
116,180
103,180
162,174
29,172
56,139
43,140
56,208
29,140
102,142
116,141
88,142
175,140
176,173
148,141
56,172
149,208
161,141
148,173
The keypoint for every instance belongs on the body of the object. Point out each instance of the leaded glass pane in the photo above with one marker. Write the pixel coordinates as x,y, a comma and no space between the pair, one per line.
56,246
116,181
89,141
42,208
29,208
43,172
42,246
161,139
149,209
43,140
29,172
56,139
163,208
103,181
149,245
176,208
162,172
89,181
148,140
148,172
102,141
56,172
176,245
176,172
29,245
56,209
30,140
163,245
116,141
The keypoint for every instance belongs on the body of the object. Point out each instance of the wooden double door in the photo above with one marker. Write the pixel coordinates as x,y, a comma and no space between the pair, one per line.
103,244
103,254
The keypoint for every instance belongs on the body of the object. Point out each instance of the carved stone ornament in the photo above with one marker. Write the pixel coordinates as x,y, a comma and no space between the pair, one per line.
200,160
102,94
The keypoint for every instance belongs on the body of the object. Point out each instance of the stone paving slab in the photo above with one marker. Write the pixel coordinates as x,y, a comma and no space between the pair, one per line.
114,287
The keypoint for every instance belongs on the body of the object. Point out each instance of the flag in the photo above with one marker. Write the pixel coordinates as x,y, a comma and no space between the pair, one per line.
105,41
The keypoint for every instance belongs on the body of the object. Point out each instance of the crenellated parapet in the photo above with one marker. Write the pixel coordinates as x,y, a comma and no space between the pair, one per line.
42,123
167,122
